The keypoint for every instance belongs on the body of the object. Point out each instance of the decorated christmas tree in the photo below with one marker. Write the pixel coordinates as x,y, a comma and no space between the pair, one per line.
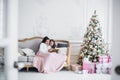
93,43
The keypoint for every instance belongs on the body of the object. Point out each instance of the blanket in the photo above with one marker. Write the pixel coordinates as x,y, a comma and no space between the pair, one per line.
49,62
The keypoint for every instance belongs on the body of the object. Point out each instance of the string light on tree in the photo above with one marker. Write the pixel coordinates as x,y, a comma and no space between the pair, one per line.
93,43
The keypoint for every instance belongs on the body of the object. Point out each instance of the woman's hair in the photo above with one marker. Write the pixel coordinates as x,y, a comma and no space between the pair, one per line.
45,39
54,45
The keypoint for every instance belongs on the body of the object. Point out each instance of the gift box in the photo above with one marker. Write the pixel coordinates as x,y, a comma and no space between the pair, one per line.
99,68
105,59
87,66
90,67
76,67
110,59
99,65
104,70
109,71
105,65
109,67
93,67
100,59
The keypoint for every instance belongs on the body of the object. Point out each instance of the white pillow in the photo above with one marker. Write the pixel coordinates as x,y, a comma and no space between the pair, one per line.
20,52
28,52
62,50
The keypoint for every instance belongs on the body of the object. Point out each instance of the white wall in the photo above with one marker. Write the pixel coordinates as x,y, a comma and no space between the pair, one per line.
102,10
55,18
60,19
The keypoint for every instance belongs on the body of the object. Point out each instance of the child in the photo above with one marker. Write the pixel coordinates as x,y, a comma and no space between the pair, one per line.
53,45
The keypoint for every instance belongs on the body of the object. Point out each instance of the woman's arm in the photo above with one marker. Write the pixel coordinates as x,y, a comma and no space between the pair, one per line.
50,50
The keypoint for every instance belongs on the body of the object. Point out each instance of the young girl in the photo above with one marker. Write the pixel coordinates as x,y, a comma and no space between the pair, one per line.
52,45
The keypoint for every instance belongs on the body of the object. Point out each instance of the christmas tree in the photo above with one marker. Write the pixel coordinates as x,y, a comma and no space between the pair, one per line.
93,43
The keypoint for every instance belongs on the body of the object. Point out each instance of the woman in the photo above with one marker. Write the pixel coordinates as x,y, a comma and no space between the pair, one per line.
46,62
44,46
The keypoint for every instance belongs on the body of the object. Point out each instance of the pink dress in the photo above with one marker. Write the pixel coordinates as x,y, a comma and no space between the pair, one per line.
48,62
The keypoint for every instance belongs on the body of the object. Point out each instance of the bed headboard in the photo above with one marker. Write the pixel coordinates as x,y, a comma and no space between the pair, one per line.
32,43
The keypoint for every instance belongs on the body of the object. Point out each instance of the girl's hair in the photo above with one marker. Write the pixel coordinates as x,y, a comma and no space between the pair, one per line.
54,45
45,39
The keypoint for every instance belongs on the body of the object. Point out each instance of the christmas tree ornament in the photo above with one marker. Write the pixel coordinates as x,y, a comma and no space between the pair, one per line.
93,44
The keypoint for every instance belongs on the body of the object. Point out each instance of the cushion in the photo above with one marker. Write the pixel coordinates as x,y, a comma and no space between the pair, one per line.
22,58
21,53
62,50
28,52
61,45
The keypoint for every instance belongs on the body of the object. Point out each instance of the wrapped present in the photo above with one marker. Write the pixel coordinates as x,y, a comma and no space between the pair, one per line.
105,70
99,68
110,59
99,65
105,59
93,67
110,65
105,65
76,67
100,59
87,66
109,70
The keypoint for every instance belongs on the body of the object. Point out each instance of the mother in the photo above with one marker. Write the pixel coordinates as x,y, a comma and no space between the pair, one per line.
46,61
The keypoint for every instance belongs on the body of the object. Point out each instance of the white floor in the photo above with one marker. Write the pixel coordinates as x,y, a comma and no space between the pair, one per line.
62,75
